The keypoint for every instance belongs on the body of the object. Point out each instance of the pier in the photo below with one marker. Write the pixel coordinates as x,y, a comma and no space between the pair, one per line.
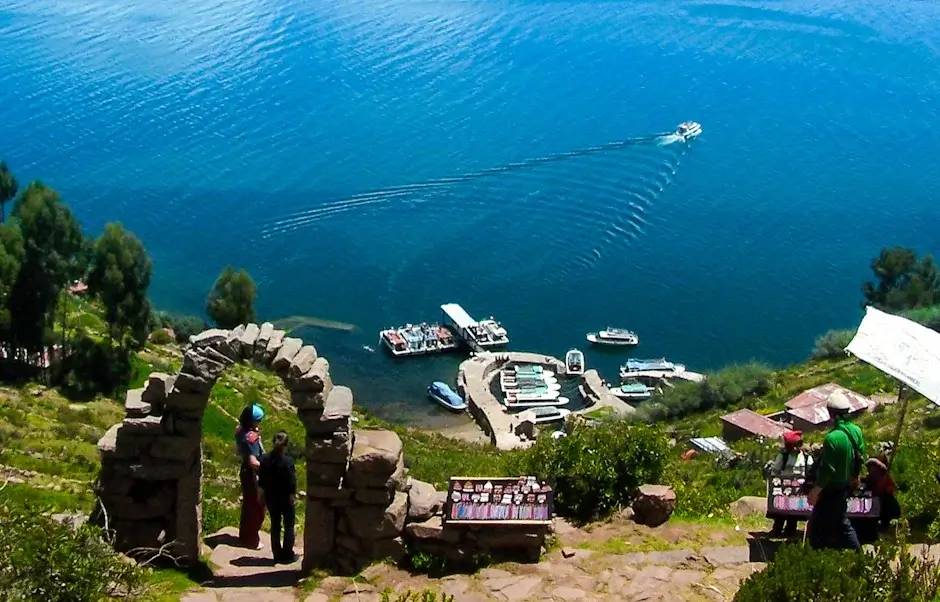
479,336
663,375
598,396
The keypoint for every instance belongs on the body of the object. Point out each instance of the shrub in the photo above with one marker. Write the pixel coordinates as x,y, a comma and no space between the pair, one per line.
927,316
95,367
721,389
41,559
161,336
832,344
182,326
596,469
422,596
801,574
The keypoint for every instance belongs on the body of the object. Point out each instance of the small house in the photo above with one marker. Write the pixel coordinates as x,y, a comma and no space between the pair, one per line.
807,411
745,423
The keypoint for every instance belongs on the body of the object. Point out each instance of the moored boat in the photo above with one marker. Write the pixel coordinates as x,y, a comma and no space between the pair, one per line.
574,362
614,336
651,365
513,387
543,415
632,391
529,369
559,401
445,396
531,395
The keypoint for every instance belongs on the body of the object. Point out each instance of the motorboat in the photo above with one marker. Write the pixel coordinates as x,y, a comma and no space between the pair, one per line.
632,391
574,362
543,415
531,395
527,378
530,369
560,401
654,368
688,130
614,336
447,397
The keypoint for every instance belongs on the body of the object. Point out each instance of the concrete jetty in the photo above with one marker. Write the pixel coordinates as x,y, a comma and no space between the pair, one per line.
474,379
596,393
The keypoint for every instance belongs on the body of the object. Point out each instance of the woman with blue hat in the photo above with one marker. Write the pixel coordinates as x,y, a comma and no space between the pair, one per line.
250,449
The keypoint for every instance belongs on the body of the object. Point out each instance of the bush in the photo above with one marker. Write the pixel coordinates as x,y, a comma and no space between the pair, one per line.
926,316
409,596
183,326
41,559
801,574
596,469
832,344
95,367
721,389
161,336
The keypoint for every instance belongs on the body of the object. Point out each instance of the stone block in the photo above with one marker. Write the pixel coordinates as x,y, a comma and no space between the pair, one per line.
507,537
374,522
302,362
388,549
322,492
261,343
148,425
318,423
329,475
308,400
191,402
208,337
319,532
315,380
199,364
432,530
273,346
217,356
175,448
155,470
134,405
329,450
116,444
189,383
158,387
653,505
289,348
374,497
376,457
134,534
157,505
234,340
424,501
183,426
247,340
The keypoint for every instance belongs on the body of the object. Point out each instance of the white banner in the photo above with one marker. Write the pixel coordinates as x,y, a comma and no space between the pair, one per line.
902,348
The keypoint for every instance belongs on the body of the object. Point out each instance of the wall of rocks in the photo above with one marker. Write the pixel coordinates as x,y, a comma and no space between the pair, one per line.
360,504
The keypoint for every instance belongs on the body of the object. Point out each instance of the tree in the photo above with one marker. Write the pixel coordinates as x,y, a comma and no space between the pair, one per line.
902,281
8,188
120,276
53,247
231,301
11,256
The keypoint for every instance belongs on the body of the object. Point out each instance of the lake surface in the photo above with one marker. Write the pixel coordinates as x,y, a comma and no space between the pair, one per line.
321,145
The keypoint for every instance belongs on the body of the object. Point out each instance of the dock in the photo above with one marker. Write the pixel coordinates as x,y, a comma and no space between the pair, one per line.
663,375
596,393
420,339
484,335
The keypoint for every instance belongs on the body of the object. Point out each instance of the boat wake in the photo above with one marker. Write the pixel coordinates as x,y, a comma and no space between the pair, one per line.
376,199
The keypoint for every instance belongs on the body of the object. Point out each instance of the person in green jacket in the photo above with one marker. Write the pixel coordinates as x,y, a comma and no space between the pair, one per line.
837,476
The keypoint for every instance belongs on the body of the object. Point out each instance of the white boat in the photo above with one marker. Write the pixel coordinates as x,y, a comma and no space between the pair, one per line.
574,362
543,415
688,130
513,387
534,395
527,380
561,401
614,336
650,367
632,391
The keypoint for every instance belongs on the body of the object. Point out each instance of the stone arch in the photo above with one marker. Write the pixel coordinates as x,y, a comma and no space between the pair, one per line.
150,483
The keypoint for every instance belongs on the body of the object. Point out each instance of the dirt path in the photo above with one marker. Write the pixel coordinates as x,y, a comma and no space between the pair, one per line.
617,560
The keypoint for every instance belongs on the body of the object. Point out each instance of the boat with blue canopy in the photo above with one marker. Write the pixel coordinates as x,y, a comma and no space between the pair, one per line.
445,396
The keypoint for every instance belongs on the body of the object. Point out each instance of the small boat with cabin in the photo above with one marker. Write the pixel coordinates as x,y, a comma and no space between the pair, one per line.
514,387
531,395
614,336
545,403
529,369
445,396
543,415
688,130
651,365
538,378
574,362
632,390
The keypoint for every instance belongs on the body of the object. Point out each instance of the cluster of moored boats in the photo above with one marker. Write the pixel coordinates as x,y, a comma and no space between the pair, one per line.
417,339
533,387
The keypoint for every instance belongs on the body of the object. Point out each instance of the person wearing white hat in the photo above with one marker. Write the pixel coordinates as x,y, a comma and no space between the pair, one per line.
839,467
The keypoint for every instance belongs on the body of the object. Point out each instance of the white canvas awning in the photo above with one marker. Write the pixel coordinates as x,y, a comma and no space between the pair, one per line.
904,349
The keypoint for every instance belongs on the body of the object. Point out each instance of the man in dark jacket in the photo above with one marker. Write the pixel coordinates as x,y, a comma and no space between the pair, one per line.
278,480
836,477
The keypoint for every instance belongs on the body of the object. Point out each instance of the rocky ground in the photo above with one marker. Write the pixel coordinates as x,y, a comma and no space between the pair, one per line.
615,560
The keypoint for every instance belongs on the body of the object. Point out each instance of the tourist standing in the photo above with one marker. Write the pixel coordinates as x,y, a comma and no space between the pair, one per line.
278,480
250,450
839,467
791,463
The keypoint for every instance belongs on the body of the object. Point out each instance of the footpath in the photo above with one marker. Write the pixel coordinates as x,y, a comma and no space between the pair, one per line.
616,560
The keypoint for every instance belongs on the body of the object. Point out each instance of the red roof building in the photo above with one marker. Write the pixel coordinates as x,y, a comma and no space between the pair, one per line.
745,423
807,411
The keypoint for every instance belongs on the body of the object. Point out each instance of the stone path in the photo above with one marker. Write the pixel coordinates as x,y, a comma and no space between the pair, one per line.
710,574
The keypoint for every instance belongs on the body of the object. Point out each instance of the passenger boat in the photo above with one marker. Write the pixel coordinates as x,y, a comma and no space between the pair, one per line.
688,130
543,415
574,362
650,367
537,378
560,401
417,339
632,391
531,395
447,397
614,336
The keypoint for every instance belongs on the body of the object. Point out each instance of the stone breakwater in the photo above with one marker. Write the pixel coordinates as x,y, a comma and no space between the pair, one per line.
360,503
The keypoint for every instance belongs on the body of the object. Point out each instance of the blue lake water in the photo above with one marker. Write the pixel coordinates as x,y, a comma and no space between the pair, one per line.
280,136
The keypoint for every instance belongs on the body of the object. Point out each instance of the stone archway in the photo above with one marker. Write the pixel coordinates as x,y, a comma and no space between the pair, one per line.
150,484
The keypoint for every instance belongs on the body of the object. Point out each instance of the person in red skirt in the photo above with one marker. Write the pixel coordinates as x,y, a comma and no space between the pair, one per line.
250,450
